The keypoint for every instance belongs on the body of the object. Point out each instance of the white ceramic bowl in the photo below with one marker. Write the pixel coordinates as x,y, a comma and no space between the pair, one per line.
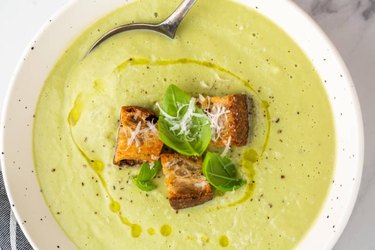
20,179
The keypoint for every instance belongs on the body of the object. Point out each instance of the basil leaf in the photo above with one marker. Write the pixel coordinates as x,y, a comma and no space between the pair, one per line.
182,125
172,96
145,186
146,174
221,173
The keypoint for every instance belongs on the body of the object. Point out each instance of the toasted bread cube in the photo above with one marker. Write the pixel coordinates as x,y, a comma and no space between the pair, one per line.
137,137
229,119
186,185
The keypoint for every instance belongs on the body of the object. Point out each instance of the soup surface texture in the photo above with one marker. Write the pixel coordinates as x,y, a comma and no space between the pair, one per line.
222,48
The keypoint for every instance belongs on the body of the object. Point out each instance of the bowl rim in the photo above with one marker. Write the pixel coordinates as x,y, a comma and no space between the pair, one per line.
328,43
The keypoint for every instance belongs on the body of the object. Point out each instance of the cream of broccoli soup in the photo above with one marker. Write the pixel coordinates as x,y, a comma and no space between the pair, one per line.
220,49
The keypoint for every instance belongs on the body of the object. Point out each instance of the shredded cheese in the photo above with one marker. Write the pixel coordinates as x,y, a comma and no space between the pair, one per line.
137,132
227,147
137,114
217,77
204,84
133,135
152,165
215,115
201,99
200,185
182,125
152,127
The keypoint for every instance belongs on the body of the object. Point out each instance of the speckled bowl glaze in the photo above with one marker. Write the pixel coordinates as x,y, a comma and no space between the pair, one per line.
16,125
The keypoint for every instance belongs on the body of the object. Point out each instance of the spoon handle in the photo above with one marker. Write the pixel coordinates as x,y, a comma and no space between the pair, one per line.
170,24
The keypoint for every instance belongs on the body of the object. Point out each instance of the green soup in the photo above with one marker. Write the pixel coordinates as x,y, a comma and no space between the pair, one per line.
220,49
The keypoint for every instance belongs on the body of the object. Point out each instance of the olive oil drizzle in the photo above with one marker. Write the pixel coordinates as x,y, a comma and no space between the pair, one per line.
249,158
98,166
249,190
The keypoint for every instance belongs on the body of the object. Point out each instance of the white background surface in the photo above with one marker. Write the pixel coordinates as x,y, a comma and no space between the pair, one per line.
349,23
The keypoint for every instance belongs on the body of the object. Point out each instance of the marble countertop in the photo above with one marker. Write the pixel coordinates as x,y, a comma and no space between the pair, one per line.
350,24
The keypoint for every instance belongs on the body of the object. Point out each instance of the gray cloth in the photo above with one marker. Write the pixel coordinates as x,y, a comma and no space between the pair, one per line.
8,227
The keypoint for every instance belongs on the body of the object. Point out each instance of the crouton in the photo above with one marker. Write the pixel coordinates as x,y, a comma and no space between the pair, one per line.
137,137
186,185
229,119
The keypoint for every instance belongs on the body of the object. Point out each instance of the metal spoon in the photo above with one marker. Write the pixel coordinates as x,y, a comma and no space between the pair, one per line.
167,27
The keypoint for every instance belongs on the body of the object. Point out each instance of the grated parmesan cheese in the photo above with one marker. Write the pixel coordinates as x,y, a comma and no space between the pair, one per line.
137,114
152,127
183,124
227,147
133,135
215,115
200,185
152,165
204,84
217,77
201,98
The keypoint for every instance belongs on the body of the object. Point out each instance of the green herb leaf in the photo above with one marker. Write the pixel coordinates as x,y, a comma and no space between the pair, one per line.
221,173
145,176
182,125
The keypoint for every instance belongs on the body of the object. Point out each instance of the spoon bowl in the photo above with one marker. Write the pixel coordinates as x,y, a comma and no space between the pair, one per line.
168,27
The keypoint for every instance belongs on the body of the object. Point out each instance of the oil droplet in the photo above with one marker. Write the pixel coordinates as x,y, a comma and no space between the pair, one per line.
75,112
114,206
265,104
125,220
151,231
205,239
250,155
224,241
97,166
165,230
136,230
